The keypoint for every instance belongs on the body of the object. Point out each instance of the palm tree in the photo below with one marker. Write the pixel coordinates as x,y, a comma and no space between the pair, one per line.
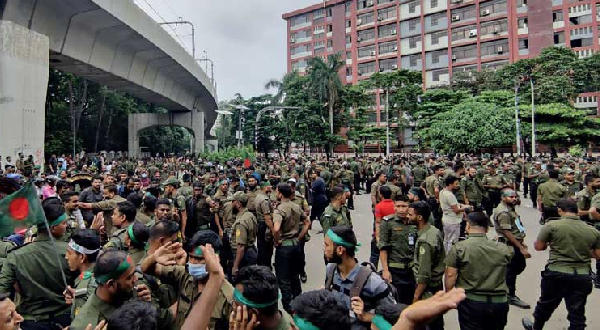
324,81
280,86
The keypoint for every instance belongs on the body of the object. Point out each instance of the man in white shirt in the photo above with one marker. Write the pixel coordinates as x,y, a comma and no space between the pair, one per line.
452,211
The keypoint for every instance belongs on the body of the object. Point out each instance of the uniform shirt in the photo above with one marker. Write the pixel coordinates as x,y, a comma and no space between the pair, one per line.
186,191
505,218
398,238
34,268
472,187
85,287
251,200
551,192
187,289
92,312
494,180
395,190
584,200
447,199
572,187
244,229
202,213
117,240
107,206
374,293
429,256
431,183
570,242
419,174
289,216
595,203
481,264
332,217
142,217
375,191
263,206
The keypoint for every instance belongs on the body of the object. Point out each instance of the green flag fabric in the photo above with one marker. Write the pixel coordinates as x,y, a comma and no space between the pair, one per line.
22,209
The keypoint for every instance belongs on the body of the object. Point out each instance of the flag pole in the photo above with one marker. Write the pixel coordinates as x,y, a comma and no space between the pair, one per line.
62,271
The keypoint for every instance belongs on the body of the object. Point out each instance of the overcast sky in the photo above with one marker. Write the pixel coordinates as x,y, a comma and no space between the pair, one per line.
244,38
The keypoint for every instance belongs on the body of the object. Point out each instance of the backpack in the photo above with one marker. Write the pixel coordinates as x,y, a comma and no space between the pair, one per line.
360,280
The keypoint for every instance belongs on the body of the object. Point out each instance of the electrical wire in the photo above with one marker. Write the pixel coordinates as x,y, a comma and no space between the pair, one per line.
164,21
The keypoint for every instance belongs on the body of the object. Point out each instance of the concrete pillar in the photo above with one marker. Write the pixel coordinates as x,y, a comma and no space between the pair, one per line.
199,132
24,65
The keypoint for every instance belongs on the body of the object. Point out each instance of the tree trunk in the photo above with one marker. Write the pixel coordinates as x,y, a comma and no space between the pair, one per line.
107,136
100,114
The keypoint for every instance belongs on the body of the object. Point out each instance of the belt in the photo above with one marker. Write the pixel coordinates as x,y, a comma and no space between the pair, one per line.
203,227
487,298
48,318
289,242
400,265
569,270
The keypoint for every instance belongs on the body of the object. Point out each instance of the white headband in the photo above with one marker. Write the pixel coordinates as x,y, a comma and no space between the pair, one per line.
81,249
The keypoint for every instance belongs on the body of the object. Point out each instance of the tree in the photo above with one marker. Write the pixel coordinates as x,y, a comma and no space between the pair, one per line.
324,81
472,125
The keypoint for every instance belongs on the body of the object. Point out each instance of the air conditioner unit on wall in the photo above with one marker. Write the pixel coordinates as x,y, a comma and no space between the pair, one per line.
496,29
500,49
359,22
472,33
359,39
455,1
395,48
486,12
370,3
293,40
455,18
393,32
454,57
373,53
394,66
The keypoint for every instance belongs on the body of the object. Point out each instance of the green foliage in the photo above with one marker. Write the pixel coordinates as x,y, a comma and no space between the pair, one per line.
167,139
228,154
471,125
576,151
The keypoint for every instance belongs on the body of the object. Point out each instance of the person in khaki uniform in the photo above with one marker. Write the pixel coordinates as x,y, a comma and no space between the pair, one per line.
336,213
264,217
190,281
478,265
287,235
428,266
171,186
375,195
397,239
299,200
243,234
573,186
252,191
110,202
393,184
567,273
548,194
493,184
510,231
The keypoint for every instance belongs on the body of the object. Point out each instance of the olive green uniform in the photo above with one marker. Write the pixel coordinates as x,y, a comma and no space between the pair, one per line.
567,274
431,183
429,258
107,206
244,231
187,288
35,270
85,287
505,218
332,217
584,201
573,188
481,266
419,175
396,191
551,192
398,239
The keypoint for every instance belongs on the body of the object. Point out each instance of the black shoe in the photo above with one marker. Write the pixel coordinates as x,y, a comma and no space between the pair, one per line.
542,221
597,284
516,301
350,207
303,277
527,323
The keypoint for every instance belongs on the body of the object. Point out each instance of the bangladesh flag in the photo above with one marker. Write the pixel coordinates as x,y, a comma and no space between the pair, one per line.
22,209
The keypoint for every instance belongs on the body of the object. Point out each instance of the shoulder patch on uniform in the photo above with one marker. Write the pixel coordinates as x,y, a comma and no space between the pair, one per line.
422,250
387,218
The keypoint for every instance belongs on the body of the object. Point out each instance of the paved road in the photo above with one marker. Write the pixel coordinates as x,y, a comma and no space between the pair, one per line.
528,283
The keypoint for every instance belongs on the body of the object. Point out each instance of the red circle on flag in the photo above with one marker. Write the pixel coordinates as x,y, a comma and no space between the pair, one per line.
19,208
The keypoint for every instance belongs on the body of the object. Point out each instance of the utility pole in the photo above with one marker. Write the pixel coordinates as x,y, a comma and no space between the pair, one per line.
181,22
532,119
517,120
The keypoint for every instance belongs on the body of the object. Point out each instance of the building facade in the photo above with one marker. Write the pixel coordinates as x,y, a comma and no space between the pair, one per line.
439,38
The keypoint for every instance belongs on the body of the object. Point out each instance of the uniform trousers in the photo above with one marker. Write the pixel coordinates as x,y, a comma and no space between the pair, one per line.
533,193
515,267
357,183
556,286
265,248
287,269
55,323
526,182
374,257
438,322
476,315
404,282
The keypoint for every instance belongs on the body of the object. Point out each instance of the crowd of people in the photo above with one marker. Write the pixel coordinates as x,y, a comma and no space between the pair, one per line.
188,243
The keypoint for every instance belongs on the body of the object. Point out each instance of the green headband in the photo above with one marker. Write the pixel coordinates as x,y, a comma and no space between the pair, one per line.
197,251
243,300
115,274
131,235
509,193
59,220
340,241
303,324
381,323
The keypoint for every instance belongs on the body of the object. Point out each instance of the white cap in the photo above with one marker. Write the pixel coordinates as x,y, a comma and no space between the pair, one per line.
292,180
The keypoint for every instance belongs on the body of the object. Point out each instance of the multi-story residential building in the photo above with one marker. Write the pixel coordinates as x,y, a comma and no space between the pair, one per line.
439,37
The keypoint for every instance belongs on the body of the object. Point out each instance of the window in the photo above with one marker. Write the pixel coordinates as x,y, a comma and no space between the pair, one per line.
387,31
329,43
387,13
523,44
434,20
522,23
388,47
348,39
435,57
319,44
413,60
434,3
412,25
320,36
412,42
365,18
412,7
435,37
329,12
366,51
348,71
364,68
348,24
559,38
329,28
349,55
348,7
366,35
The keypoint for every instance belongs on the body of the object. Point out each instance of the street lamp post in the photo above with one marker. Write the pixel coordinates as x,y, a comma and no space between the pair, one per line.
182,22
517,120
387,122
260,113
